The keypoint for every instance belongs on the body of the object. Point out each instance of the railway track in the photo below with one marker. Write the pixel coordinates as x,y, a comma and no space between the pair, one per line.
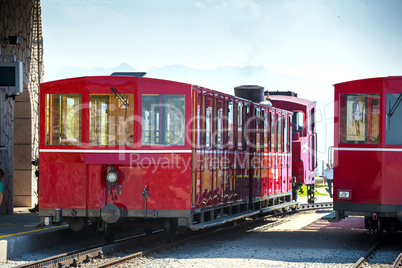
372,255
76,257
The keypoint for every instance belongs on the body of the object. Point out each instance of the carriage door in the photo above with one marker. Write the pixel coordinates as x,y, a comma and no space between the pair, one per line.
280,157
273,171
264,152
199,131
219,151
256,152
312,139
286,152
229,158
210,163
238,144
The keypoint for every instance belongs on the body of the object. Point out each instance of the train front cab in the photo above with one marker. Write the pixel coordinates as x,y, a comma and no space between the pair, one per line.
304,138
368,151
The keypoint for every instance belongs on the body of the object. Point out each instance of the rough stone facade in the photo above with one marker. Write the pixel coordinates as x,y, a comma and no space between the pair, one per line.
19,118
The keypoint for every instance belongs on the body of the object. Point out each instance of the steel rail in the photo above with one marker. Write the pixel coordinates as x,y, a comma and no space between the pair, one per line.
398,261
192,238
368,253
75,257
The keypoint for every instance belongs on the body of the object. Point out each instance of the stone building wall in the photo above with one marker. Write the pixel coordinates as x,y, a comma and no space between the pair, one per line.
19,124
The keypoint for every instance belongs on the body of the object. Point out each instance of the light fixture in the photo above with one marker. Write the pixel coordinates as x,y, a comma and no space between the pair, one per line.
112,176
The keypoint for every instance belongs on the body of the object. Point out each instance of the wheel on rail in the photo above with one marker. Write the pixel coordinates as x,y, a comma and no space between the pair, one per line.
109,233
169,230
380,228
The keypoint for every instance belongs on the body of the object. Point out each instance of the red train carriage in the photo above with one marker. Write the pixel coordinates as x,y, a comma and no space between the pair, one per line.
158,153
304,138
368,151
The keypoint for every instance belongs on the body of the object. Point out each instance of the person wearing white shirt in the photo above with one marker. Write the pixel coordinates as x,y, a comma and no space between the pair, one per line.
329,176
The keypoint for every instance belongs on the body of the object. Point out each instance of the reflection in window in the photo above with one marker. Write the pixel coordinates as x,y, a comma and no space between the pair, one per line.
240,126
230,125
393,118
285,135
273,143
297,121
219,125
111,120
163,120
279,129
63,119
208,123
266,131
359,118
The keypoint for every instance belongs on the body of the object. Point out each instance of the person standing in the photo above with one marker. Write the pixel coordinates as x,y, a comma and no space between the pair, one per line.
1,186
329,176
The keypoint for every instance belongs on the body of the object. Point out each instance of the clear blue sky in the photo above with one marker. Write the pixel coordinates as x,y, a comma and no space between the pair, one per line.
306,45
301,37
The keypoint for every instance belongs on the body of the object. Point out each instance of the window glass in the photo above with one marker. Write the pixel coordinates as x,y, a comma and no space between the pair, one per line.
200,120
393,119
273,142
219,125
359,118
297,121
240,126
63,119
258,129
285,134
312,120
208,123
111,119
279,129
230,125
163,119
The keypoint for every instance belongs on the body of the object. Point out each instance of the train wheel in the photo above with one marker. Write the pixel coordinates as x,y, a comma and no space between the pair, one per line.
169,231
380,228
109,233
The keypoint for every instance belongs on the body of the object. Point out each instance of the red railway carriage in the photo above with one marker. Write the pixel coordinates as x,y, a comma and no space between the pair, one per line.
304,137
158,153
368,151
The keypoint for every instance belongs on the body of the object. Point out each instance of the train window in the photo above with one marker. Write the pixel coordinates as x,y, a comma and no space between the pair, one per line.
219,125
311,124
273,142
63,119
111,119
393,118
163,119
297,121
285,134
208,123
230,125
280,129
266,131
240,126
261,130
359,118
199,120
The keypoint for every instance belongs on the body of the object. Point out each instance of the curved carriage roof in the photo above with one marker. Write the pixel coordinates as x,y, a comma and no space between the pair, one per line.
373,79
290,99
